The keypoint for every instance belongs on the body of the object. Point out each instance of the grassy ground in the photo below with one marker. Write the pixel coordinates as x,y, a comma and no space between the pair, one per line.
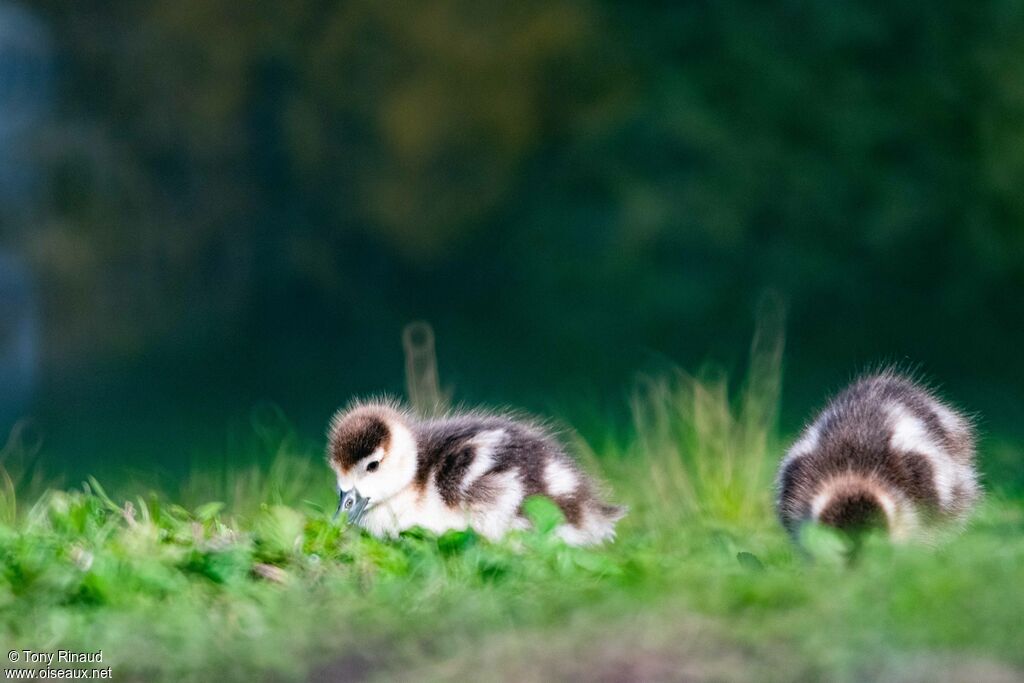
700,585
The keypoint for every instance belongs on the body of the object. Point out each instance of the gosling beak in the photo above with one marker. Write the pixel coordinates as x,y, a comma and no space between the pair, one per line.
351,503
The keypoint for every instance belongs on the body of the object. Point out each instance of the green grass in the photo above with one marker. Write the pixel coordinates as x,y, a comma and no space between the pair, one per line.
249,578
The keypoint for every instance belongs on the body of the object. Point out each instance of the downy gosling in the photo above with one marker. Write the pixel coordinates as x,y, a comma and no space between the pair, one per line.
885,453
470,470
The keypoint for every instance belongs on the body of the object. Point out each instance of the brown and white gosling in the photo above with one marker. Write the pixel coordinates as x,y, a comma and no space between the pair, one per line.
471,470
886,453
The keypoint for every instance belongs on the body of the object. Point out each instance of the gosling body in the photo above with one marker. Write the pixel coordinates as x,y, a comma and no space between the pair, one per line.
465,471
885,452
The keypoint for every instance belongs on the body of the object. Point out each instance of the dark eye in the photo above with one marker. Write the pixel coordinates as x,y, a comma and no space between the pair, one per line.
371,467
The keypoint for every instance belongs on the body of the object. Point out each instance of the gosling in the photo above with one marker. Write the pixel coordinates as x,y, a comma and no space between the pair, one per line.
473,470
885,453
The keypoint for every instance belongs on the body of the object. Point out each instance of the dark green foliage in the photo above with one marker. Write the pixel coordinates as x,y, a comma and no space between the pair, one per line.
563,188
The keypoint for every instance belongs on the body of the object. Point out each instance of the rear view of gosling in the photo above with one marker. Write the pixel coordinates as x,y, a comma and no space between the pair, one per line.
473,470
885,453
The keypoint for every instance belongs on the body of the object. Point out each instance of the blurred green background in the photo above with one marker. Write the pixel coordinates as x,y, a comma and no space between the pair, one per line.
208,207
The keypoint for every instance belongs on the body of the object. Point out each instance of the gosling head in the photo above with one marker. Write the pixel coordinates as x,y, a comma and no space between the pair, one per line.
372,451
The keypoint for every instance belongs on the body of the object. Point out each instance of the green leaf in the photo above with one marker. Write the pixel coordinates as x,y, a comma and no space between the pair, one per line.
749,561
96,489
456,542
543,514
219,566
208,511
824,544
492,570
595,563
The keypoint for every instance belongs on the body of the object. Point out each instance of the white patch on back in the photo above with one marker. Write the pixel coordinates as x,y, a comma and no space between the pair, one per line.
805,445
950,421
484,445
559,478
911,435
